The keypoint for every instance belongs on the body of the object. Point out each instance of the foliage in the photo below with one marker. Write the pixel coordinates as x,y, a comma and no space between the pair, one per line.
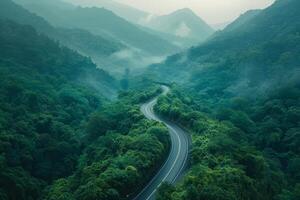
241,150
248,59
53,145
243,108
123,151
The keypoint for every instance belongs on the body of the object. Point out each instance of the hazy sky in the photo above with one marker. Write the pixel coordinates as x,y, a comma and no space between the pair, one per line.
212,11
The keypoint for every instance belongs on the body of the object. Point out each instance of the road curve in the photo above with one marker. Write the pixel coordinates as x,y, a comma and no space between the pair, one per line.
176,162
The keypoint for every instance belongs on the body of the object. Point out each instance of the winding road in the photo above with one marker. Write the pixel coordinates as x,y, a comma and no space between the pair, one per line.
176,163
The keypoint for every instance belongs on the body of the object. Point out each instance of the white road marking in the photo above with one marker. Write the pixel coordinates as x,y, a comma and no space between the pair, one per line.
148,110
177,156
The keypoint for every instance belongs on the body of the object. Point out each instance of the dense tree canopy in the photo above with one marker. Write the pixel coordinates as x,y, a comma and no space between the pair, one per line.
59,137
62,138
241,149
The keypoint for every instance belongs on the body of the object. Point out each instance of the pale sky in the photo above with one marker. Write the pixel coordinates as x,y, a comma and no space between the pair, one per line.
212,11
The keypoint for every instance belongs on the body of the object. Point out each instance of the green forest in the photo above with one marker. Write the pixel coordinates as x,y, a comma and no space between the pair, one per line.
74,121
240,102
56,130
241,150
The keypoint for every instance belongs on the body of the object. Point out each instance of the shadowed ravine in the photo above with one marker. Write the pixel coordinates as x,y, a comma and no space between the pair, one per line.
177,160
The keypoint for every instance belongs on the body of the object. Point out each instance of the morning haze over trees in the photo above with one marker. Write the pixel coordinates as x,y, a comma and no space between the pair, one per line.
77,121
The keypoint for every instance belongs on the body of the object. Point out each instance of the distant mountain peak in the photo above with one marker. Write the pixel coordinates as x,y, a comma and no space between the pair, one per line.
184,11
182,23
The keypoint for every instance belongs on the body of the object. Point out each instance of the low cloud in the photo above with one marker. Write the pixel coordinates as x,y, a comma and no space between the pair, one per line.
183,30
124,54
147,19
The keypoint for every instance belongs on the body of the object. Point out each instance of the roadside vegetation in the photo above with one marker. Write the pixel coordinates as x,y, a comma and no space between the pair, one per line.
242,149
60,137
121,153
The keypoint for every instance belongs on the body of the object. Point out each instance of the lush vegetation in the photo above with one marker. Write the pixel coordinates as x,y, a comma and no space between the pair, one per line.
67,133
241,150
124,152
98,47
247,58
243,108
52,146
77,39
113,26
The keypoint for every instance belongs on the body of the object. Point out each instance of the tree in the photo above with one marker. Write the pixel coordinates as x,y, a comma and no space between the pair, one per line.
165,192
97,126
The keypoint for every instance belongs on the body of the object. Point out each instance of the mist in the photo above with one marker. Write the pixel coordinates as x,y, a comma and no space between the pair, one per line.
226,11
149,100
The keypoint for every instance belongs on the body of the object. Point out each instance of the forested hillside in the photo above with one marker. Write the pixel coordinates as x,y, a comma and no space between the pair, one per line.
183,23
124,153
242,149
115,46
127,12
99,48
44,101
48,93
69,130
239,98
100,21
258,54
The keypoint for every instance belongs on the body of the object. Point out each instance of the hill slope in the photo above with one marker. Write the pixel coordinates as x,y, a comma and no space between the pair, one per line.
49,138
182,23
77,39
167,27
239,98
109,54
47,92
257,54
129,13
100,21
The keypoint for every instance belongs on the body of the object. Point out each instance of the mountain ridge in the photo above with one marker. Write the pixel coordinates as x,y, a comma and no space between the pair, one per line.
103,22
129,13
72,38
252,56
183,23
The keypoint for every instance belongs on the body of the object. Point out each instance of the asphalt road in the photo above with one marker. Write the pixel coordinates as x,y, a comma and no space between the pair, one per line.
176,163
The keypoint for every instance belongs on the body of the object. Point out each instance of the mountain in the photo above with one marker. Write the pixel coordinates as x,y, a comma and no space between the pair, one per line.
47,92
182,23
105,23
45,98
55,3
80,40
151,23
247,79
244,18
162,26
129,13
108,53
257,27
256,54
23,46
220,26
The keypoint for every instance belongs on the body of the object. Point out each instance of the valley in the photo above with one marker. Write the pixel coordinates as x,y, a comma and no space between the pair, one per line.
101,100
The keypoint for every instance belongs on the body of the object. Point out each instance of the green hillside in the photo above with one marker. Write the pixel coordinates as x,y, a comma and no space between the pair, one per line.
59,136
45,98
100,21
239,97
183,23
80,40
127,12
226,111
259,54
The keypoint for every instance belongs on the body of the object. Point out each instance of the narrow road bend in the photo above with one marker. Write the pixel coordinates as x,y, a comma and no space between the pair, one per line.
176,163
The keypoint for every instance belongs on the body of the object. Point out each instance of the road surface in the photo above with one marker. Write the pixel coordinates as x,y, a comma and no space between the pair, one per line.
176,162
